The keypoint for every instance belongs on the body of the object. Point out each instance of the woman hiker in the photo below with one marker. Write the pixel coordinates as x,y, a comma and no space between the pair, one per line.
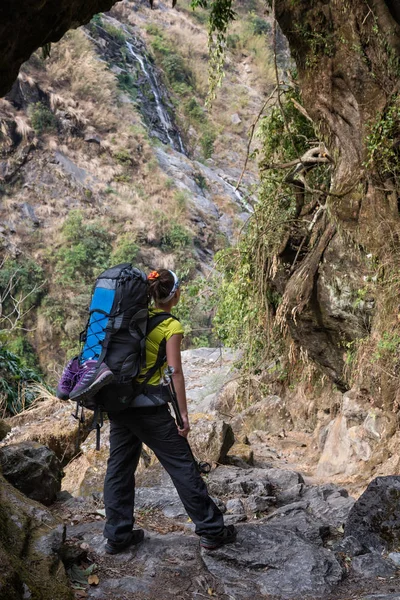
149,421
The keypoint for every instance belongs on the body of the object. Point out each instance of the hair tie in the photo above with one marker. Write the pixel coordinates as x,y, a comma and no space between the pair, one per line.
153,275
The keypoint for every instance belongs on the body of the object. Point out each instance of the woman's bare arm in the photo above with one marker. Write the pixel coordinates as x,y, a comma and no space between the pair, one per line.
174,360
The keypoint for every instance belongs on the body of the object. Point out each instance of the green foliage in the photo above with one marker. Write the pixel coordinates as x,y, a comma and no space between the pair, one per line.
388,346
194,112
233,41
260,26
153,29
246,298
200,180
85,252
176,70
97,20
174,66
194,312
15,394
220,15
24,279
125,250
128,84
320,41
116,33
42,119
207,142
20,346
123,156
382,140
175,237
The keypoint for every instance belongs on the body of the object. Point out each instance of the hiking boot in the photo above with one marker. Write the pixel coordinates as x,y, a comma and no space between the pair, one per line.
211,542
135,538
91,378
68,379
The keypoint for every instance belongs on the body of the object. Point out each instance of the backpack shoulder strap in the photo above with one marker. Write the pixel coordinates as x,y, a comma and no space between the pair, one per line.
158,318
162,350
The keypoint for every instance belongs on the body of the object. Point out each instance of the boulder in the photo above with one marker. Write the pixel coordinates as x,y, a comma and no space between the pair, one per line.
374,519
85,474
240,453
354,438
33,469
269,414
372,565
49,423
240,483
268,560
30,544
207,371
210,438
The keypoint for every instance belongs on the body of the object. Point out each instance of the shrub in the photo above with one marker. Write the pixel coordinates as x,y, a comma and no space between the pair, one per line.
27,279
176,69
126,250
127,83
260,27
115,32
233,41
176,237
42,119
194,111
15,394
123,156
207,143
86,250
153,30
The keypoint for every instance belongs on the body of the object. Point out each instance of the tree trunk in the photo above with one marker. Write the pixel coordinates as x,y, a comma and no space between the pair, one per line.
348,61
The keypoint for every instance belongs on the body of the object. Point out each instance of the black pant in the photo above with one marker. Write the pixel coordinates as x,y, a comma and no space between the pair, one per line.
155,427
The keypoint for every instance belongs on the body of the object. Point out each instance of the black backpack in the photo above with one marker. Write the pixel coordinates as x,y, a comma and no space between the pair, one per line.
115,333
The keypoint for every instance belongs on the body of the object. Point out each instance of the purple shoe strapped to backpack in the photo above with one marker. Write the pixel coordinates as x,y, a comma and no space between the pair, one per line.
92,377
68,379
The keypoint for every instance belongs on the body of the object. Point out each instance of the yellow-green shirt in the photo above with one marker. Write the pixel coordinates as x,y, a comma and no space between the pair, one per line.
164,330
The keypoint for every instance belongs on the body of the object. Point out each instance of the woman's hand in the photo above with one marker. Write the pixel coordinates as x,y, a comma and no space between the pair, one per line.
186,427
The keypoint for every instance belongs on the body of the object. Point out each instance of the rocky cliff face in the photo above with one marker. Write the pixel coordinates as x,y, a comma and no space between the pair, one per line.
26,26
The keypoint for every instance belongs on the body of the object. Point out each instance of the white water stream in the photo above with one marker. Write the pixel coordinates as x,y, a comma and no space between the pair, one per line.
162,112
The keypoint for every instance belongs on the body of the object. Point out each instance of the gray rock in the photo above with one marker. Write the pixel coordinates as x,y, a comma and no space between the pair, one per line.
372,565
267,560
235,506
165,499
221,505
349,545
290,495
375,518
239,482
301,523
235,119
283,479
29,212
233,519
381,597
256,503
395,558
329,503
51,542
92,138
33,469
395,596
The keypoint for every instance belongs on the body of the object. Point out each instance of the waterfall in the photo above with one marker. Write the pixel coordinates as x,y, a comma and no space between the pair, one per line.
166,130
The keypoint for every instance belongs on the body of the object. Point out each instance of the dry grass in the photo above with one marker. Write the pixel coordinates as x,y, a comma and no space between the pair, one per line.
74,64
23,128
